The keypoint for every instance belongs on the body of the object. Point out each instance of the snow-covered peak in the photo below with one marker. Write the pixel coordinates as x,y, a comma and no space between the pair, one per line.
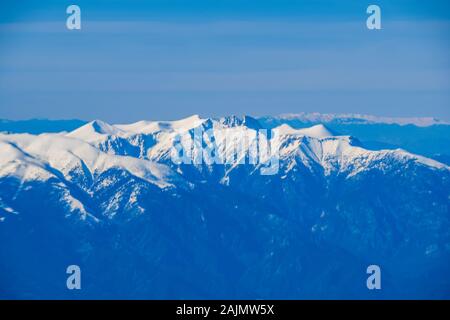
318,131
344,154
17,163
53,155
187,123
92,130
143,126
150,127
139,147
236,121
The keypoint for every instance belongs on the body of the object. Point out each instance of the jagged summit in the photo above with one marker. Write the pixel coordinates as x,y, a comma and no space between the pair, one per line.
235,121
98,146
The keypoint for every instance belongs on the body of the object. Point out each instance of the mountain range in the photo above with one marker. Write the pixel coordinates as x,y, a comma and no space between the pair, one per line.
110,199
426,136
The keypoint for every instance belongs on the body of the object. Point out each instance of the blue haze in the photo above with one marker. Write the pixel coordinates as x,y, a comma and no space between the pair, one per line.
137,60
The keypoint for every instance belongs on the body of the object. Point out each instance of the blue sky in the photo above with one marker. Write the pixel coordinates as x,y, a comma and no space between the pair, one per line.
166,59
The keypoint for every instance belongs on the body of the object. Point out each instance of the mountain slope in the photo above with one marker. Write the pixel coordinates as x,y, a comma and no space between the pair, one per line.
425,136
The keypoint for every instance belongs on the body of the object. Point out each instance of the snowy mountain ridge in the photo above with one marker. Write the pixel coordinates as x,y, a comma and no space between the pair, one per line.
40,157
317,141
98,146
112,195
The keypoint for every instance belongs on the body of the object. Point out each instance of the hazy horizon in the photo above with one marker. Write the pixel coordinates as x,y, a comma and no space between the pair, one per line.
136,60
